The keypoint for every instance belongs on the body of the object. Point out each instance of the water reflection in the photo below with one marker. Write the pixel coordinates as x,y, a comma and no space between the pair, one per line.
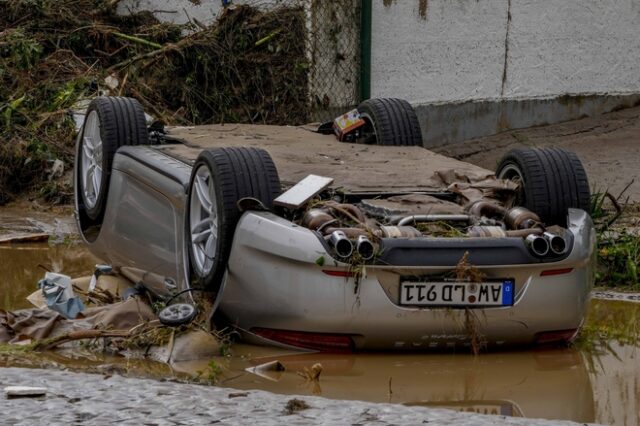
610,342
19,270
598,380
554,383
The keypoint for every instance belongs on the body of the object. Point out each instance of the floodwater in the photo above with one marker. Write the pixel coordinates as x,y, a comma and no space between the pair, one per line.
22,265
597,380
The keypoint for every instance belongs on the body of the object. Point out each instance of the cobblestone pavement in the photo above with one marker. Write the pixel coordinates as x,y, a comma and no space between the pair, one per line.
78,398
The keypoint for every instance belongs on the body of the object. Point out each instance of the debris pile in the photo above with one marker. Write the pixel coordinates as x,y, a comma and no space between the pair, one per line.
249,66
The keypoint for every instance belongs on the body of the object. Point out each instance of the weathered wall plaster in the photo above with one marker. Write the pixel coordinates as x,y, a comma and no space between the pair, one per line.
455,50
472,66
455,53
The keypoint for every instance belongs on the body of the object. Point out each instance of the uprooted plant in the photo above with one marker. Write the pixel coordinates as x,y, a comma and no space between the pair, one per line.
249,66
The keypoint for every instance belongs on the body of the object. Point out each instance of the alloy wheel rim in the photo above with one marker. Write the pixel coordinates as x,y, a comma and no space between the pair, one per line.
369,129
92,153
203,221
512,172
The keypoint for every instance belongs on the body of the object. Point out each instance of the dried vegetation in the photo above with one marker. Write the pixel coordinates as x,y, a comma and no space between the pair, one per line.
249,66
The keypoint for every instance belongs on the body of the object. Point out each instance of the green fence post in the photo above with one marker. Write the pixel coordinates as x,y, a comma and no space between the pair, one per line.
365,50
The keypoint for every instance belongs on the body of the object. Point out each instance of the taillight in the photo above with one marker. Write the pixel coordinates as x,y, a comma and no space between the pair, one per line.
550,272
323,342
556,336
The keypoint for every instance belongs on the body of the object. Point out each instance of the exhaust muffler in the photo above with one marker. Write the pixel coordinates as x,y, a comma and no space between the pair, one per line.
521,218
538,245
341,244
365,248
557,244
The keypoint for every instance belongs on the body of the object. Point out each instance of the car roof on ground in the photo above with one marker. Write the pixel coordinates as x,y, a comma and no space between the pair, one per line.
299,151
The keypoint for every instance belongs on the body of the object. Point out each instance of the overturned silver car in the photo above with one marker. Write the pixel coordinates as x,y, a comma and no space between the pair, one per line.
398,249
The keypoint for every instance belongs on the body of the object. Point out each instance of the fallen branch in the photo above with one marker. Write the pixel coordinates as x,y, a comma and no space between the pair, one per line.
625,189
159,51
48,344
616,205
138,40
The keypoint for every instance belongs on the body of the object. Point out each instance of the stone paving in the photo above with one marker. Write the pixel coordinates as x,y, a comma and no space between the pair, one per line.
78,398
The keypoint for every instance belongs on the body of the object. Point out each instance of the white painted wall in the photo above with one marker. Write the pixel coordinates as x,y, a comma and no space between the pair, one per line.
456,52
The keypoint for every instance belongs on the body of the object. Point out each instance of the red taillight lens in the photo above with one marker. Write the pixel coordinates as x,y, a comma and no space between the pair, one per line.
323,342
556,336
550,272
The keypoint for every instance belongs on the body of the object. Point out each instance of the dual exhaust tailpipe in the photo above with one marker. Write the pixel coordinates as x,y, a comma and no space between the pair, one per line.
541,245
344,247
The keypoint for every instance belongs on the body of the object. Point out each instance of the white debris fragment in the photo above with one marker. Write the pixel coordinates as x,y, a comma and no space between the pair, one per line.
31,391
57,169
112,82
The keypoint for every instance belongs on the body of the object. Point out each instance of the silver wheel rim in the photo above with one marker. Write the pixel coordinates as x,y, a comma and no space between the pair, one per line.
203,221
177,312
369,122
511,172
91,160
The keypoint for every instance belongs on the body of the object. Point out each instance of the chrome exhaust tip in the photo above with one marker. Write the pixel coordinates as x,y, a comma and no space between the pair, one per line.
365,248
341,244
557,244
538,245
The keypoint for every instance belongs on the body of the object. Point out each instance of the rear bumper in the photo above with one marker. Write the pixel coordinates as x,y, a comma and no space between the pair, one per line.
277,279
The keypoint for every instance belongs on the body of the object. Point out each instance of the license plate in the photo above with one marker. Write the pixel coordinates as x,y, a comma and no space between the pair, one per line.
432,293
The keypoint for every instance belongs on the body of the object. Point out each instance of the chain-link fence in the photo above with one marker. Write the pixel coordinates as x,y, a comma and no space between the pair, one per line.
334,56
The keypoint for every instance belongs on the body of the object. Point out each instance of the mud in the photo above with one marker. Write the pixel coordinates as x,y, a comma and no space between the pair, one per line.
24,219
606,145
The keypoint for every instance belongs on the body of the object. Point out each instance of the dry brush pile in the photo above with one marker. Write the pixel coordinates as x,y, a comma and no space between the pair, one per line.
249,66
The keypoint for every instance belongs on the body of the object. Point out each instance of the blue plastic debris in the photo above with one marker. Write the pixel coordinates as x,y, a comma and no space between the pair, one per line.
58,292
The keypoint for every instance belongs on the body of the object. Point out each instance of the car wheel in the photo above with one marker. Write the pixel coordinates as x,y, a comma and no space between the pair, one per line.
110,123
551,180
177,314
219,179
390,121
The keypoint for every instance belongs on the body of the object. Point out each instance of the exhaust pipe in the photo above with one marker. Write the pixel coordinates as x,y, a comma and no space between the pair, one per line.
365,248
557,244
341,243
521,218
537,244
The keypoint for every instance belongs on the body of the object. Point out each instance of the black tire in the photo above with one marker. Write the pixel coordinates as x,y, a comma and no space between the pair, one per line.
552,181
122,122
235,173
391,121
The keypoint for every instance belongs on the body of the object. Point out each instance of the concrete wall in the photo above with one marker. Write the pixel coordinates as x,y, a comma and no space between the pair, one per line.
477,67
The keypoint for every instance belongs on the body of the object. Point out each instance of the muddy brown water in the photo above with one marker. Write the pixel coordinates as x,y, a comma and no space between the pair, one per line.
597,380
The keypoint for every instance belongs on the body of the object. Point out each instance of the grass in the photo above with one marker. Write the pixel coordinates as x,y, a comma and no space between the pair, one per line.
618,259
618,247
